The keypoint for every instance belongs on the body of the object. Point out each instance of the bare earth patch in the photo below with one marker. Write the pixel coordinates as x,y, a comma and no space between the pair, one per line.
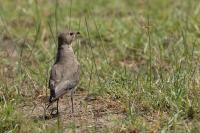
90,113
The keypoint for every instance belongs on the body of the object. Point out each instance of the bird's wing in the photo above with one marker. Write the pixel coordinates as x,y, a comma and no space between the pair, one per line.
65,85
55,77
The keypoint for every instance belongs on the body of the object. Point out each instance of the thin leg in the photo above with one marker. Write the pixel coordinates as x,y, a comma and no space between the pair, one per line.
72,101
57,107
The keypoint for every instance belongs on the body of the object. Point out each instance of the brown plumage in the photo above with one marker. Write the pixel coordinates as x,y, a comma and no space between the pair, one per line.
65,72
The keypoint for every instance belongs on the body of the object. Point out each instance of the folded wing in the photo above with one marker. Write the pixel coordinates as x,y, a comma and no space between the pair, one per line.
68,81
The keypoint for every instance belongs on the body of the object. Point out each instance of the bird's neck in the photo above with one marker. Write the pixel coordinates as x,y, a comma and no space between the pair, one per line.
65,54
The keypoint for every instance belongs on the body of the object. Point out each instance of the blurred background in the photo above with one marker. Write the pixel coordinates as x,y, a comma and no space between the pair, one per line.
137,56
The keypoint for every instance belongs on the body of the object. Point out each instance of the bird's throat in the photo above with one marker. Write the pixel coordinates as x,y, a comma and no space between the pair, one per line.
65,54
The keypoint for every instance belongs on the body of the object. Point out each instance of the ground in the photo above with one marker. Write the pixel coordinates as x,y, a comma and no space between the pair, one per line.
90,113
139,65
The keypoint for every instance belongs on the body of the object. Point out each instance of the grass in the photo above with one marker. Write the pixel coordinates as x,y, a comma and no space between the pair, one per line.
144,54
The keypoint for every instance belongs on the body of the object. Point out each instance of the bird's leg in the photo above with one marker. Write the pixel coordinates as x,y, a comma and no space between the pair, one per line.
57,107
72,100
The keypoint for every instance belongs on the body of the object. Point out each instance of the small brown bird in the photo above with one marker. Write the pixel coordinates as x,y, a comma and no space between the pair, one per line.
65,72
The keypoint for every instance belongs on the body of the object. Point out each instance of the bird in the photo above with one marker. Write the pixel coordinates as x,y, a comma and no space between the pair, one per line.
65,72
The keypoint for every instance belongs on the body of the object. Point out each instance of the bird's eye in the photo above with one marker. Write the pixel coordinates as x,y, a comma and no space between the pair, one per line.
71,33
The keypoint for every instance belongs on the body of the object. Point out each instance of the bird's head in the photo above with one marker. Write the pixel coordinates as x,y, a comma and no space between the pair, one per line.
67,37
